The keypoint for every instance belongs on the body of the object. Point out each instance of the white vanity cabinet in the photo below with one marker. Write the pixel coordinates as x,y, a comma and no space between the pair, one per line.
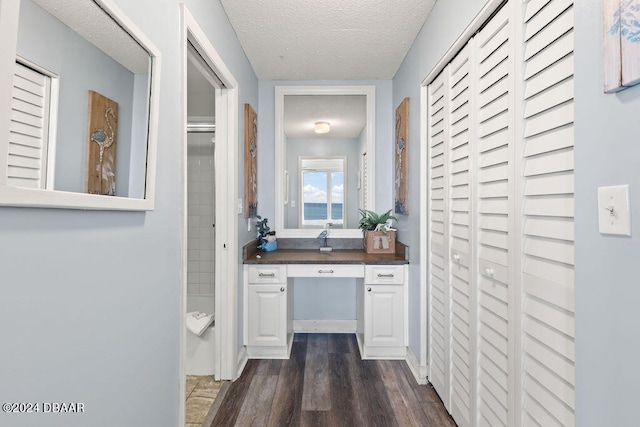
269,329
381,299
381,306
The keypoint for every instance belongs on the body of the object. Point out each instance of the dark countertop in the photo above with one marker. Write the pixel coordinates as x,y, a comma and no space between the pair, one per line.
337,256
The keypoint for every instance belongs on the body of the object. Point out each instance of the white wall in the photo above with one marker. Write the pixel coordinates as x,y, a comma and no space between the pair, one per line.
607,152
447,21
89,310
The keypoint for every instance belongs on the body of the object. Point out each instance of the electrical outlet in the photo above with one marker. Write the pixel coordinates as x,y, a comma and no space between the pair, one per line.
613,210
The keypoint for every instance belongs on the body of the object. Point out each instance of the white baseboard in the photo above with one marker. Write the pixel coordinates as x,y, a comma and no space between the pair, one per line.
325,326
414,365
241,361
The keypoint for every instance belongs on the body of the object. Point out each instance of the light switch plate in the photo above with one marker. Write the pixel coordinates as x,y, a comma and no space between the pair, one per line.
613,210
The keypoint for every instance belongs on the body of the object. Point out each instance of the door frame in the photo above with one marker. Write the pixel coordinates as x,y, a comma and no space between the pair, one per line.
226,190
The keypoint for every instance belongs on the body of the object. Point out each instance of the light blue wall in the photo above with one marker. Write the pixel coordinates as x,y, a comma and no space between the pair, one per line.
89,307
607,152
447,21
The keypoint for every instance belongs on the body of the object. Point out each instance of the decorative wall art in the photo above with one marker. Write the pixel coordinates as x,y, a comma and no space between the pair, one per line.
402,157
621,44
250,162
101,145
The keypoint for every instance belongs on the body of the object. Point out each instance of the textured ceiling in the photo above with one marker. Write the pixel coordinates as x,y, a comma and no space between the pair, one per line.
326,40
87,19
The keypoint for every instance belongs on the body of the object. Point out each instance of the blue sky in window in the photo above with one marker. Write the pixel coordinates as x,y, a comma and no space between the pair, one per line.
315,187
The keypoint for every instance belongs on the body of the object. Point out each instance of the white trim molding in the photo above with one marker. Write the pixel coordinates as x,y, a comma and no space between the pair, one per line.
229,362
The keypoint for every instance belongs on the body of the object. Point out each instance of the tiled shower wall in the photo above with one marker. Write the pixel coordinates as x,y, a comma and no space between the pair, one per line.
200,205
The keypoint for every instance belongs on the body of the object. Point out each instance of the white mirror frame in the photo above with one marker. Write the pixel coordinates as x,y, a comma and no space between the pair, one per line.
280,93
28,197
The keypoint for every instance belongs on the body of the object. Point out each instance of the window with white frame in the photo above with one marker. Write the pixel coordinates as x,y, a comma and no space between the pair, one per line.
322,191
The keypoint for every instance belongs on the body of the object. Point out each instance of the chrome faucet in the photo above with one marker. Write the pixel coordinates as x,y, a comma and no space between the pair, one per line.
325,235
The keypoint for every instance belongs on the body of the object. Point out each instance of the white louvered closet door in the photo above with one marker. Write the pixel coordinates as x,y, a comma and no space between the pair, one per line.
460,284
547,316
501,251
450,242
494,89
438,245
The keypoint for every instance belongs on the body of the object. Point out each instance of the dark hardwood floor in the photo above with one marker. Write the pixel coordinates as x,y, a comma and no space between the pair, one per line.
325,383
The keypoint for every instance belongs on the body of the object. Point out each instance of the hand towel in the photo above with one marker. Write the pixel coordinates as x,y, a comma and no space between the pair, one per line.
198,322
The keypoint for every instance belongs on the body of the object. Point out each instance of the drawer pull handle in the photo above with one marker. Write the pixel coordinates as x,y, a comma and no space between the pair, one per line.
386,275
267,274
489,271
325,271
281,289
368,289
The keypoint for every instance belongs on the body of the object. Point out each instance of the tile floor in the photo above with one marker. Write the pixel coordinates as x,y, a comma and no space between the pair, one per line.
201,393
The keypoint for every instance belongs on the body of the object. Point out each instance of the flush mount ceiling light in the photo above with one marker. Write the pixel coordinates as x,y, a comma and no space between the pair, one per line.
321,127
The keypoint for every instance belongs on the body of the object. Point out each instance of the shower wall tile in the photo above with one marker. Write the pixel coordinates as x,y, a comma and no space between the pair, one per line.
200,206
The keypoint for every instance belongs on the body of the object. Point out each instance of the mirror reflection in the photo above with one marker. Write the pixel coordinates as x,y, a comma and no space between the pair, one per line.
81,102
324,143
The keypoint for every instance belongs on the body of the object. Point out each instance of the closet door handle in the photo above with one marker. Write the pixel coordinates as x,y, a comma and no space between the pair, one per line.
368,289
385,275
456,257
325,271
282,289
489,272
267,274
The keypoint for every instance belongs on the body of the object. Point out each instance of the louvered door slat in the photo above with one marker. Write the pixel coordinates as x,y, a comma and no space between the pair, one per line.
560,70
550,140
547,26
554,52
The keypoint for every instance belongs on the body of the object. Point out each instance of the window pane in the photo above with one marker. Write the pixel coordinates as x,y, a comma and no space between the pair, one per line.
314,195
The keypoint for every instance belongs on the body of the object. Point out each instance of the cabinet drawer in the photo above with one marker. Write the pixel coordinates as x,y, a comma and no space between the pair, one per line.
267,274
384,274
325,270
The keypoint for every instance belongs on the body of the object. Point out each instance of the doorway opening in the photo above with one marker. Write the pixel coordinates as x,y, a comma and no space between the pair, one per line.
209,219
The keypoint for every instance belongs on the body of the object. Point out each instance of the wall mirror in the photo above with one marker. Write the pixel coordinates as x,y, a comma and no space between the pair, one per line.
82,113
325,147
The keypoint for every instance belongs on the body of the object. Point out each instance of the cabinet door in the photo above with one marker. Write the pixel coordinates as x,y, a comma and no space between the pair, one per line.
268,315
384,315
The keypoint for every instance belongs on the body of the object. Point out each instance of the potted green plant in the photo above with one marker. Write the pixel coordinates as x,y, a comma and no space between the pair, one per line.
379,237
